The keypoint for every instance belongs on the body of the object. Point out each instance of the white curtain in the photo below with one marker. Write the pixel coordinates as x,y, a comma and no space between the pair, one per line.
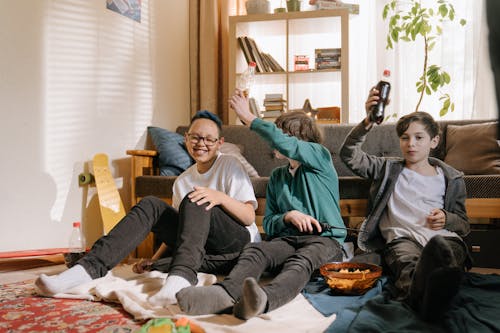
462,52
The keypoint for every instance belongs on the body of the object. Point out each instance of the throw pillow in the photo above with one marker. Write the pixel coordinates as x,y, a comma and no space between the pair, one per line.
236,150
173,157
473,149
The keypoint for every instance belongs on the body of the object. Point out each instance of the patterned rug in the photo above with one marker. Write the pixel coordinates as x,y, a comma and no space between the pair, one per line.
21,310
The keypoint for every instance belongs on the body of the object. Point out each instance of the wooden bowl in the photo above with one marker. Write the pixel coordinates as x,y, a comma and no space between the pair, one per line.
350,277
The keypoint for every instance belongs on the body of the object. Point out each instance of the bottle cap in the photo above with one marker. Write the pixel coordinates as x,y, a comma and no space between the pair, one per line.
76,224
387,72
252,63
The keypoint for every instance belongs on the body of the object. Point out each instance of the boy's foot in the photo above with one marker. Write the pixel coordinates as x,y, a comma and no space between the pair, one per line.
56,284
442,285
204,300
436,264
253,301
166,295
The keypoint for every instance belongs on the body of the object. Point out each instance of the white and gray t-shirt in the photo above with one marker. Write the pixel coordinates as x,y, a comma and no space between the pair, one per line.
226,175
414,197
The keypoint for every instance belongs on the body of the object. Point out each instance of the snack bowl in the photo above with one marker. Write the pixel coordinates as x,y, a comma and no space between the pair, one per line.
353,278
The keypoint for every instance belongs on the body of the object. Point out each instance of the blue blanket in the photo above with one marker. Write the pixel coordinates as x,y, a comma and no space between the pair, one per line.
476,308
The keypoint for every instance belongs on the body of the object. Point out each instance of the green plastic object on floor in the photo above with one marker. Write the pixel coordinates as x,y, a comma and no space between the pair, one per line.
165,325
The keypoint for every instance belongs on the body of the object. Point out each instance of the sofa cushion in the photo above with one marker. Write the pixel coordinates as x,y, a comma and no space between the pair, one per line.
237,151
173,157
473,149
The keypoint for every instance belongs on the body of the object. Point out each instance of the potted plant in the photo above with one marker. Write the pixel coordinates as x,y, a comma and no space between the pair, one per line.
409,20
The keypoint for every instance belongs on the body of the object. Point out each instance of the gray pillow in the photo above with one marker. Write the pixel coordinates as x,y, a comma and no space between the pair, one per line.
173,157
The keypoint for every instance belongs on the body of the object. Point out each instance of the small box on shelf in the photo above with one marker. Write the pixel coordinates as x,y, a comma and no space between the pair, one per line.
328,115
301,63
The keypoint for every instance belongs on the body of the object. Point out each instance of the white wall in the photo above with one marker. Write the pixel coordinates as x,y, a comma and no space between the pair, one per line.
77,79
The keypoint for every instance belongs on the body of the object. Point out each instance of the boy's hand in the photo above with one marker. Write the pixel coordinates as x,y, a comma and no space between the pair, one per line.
202,195
303,222
436,219
239,103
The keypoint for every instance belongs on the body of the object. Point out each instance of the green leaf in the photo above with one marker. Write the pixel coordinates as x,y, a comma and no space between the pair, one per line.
428,90
395,35
385,11
463,22
443,112
443,10
446,77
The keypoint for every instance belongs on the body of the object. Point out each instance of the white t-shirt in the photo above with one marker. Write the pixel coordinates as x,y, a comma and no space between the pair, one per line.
414,197
227,175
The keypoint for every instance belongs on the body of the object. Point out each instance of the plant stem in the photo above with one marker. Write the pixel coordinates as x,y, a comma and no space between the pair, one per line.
424,76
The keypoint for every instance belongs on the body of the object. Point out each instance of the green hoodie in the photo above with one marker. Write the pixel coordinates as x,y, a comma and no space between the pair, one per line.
314,190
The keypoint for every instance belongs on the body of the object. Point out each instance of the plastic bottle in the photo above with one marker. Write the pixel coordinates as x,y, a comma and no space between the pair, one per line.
245,80
76,246
384,88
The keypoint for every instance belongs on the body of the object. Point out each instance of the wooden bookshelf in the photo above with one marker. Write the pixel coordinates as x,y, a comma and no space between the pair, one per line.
284,35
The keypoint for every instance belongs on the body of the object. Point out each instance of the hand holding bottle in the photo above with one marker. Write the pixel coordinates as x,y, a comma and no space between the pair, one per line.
239,103
378,99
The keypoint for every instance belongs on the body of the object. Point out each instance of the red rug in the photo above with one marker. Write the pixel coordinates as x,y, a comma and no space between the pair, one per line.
21,310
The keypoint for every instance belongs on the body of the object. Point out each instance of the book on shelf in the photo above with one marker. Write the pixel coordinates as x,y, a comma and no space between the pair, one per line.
335,4
279,107
244,49
253,106
330,52
264,61
271,114
256,54
273,96
274,64
327,58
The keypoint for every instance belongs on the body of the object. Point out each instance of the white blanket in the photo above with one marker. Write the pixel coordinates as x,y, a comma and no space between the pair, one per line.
132,290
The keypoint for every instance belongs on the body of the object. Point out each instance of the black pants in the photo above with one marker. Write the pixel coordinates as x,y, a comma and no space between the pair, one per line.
207,241
294,257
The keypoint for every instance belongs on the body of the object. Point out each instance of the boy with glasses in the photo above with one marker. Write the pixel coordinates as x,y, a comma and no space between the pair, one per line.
211,219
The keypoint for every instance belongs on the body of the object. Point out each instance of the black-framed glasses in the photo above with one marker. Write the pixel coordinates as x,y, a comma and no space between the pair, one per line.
209,141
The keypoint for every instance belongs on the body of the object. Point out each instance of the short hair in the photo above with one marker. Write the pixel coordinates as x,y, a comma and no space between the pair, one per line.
300,125
431,126
205,114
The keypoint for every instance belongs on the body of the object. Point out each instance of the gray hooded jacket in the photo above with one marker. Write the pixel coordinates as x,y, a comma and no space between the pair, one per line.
384,172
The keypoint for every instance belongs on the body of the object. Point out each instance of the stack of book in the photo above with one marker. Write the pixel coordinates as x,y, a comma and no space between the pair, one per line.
265,62
327,58
337,4
274,105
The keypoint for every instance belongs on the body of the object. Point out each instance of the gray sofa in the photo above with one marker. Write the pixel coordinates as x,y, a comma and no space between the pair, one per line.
483,190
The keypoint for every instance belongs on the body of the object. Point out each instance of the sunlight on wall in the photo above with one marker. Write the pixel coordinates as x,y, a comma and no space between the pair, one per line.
98,85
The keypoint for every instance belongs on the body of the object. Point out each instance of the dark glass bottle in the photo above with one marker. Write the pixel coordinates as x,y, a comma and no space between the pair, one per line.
383,87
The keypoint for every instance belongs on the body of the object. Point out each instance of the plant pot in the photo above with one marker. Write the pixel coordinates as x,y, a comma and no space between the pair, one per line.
293,5
258,7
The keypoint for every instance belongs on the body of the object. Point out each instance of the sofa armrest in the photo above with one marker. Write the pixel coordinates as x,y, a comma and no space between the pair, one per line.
142,163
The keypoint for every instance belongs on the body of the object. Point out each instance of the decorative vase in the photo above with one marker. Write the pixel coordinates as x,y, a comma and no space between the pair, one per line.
293,5
258,6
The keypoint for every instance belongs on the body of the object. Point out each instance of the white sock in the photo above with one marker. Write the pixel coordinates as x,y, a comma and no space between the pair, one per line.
55,284
166,295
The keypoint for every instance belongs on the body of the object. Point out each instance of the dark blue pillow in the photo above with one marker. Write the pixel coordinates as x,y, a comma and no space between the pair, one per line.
172,154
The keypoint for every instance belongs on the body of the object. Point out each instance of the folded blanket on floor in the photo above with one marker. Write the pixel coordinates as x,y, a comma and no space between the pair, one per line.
122,285
132,290
474,309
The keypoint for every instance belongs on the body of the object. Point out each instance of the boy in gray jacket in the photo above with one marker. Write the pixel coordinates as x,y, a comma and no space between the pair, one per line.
417,214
